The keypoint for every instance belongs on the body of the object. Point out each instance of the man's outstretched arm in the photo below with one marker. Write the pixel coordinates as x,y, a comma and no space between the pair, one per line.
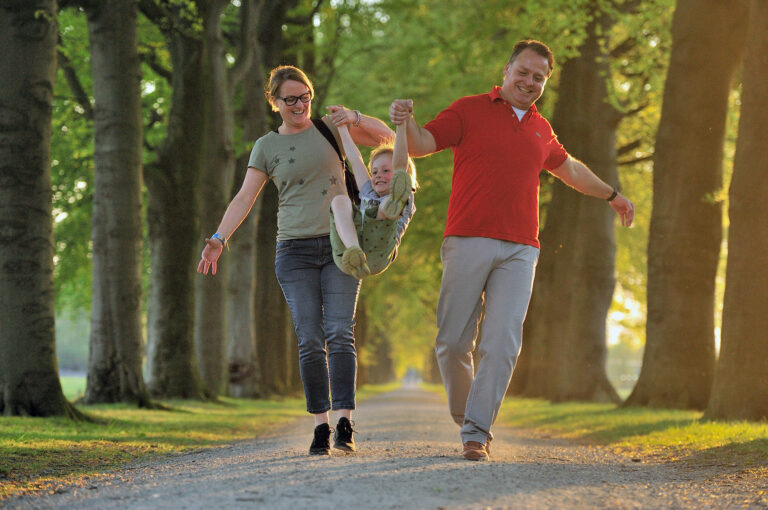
578,176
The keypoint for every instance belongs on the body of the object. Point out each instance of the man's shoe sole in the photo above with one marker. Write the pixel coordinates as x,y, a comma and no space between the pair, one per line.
475,456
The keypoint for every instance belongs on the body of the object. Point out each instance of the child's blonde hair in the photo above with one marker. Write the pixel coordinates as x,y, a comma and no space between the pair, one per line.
389,148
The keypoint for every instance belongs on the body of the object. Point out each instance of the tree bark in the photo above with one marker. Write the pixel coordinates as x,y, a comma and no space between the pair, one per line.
245,377
215,185
272,315
29,379
564,350
686,221
116,344
740,390
271,311
172,212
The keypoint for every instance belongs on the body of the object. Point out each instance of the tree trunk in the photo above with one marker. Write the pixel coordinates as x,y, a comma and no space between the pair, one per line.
362,325
215,185
686,221
273,332
740,389
271,311
245,378
116,346
29,379
174,234
564,347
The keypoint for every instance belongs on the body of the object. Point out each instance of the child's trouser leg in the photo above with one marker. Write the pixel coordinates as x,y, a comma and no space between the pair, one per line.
345,223
343,217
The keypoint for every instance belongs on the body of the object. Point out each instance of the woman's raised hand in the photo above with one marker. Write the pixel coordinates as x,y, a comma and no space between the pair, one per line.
340,115
210,256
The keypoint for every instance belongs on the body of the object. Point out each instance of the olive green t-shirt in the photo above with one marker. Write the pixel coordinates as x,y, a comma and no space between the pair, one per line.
308,174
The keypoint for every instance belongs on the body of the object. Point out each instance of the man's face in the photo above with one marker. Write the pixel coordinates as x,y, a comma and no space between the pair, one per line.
524,79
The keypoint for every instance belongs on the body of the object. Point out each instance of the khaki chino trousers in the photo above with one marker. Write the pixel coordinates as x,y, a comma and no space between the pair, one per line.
479,274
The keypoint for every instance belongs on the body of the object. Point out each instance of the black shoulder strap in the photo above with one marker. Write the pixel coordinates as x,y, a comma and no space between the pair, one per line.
326,132
352,189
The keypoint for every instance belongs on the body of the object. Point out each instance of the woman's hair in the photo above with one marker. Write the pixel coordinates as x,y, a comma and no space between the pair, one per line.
389,148
280,75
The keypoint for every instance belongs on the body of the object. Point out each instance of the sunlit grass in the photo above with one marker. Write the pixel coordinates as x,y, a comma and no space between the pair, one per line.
73,387
39,453
671,434
664,433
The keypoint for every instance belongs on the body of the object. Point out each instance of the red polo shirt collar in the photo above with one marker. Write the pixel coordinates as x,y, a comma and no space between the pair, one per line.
495,94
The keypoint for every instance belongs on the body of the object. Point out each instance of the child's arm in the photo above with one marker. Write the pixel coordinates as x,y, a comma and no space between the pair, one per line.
354,157
400,152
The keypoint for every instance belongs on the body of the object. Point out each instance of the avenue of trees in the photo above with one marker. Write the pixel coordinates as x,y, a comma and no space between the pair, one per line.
125,129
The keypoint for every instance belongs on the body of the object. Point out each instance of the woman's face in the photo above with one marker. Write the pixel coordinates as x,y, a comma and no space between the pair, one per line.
381,173
298,113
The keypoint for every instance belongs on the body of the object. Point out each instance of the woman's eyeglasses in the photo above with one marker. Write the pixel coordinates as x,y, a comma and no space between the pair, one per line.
292,100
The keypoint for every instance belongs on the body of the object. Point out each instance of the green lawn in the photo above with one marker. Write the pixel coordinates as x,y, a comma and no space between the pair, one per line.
74,387
640,432
671,434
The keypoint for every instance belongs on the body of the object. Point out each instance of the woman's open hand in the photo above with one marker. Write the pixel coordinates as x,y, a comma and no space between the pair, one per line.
210,256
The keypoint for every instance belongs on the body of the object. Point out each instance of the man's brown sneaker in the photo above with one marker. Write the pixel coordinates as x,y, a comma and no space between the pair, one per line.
475,451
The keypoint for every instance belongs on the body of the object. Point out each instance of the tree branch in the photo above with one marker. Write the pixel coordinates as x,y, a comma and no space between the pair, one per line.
250,12
148,55
306,20
628,147
623,48
628,162
79,93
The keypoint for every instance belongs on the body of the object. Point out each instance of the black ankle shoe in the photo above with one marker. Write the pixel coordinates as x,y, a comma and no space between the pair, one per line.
342,437
321,444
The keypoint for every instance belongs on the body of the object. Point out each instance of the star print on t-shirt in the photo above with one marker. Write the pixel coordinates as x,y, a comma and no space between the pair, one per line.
333,180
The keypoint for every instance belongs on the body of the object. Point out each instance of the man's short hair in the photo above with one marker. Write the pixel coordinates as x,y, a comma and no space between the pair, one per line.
539,47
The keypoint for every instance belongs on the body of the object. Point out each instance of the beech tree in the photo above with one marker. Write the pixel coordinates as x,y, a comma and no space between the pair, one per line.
243,368
29,379
116,340
686,220
740,390
565,328
172,211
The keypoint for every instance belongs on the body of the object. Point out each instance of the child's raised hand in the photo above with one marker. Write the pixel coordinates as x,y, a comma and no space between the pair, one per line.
400,110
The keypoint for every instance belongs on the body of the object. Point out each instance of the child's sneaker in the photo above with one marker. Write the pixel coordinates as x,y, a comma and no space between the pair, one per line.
399,191
354,262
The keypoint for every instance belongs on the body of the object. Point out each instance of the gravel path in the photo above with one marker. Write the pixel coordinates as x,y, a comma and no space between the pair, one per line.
408,458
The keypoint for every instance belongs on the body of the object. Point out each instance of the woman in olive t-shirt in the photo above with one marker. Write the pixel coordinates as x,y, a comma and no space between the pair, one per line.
307,173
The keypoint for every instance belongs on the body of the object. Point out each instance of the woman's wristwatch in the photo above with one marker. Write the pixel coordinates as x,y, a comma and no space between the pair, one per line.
220,238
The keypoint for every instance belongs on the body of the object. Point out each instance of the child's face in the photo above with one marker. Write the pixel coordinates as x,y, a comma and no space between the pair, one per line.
381,173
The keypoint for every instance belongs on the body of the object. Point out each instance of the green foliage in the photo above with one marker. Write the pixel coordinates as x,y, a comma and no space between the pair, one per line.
72,171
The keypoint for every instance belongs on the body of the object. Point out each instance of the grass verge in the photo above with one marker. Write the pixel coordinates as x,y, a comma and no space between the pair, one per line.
665,434
45,453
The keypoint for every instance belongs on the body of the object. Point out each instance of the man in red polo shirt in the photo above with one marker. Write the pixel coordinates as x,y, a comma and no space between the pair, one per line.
500,144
